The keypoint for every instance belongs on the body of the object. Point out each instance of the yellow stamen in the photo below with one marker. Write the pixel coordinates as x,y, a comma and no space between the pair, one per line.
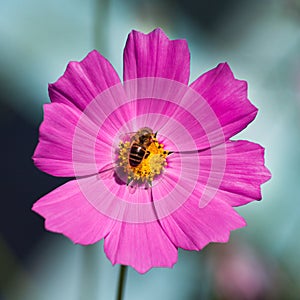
150,167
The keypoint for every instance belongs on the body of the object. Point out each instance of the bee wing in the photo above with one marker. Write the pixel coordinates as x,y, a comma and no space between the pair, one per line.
127,136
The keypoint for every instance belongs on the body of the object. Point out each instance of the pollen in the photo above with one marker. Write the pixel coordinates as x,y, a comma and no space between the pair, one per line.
151,165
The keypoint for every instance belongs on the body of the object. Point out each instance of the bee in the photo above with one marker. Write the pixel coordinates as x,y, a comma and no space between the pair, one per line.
140,142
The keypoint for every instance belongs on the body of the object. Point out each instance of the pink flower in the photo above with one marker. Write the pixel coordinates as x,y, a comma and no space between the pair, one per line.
147,194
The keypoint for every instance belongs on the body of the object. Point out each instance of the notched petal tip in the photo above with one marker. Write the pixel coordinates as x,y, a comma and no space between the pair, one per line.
74,63
53,153
142,270
265,173
66,210
228,98
84,80
244,174
192,228
142,246
155,31
34,207
155,55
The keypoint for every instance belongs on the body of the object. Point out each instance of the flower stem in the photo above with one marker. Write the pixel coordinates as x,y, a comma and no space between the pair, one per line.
122,280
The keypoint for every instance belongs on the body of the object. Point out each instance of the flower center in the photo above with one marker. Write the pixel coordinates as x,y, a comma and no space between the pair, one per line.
142,158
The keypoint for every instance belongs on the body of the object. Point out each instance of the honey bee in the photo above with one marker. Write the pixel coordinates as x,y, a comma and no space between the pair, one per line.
140,142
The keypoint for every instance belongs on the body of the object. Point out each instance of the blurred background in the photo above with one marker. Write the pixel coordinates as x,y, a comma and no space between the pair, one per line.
261,42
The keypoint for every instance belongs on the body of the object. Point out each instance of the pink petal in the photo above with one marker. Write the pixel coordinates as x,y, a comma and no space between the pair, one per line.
174,124
70,211
66,210
83,81
176,111
176,185
113,198
68,147
243,174
154,55
141,246
227,97
192,228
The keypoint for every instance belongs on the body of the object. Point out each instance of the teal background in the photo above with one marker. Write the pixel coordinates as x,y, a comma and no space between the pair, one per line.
261,42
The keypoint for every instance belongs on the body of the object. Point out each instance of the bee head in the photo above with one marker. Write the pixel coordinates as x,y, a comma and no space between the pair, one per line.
145,131
146,139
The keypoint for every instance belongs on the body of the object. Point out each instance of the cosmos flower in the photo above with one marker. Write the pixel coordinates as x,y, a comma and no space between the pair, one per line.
153,164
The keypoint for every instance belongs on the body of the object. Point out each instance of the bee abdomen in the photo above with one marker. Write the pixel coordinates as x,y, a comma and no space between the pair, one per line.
136,155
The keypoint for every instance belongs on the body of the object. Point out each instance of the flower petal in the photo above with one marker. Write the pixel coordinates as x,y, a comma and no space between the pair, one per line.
67,211
154,55
192,227
68,147
83,81
227,97
176,111
243,174
142,246
174,124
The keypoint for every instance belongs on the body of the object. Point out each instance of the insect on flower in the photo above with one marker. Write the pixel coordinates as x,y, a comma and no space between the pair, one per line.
141,159
139,146
154,164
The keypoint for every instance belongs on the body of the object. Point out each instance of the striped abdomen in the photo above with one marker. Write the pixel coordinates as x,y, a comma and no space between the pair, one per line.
136,154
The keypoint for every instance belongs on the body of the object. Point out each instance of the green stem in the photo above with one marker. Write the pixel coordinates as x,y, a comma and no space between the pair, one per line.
122,280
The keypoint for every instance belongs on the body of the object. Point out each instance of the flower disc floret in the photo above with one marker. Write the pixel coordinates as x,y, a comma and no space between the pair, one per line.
151,165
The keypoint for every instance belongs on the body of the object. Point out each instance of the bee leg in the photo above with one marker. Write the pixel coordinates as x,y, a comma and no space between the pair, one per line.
147,154
155,134
168,152
128,181
148,184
